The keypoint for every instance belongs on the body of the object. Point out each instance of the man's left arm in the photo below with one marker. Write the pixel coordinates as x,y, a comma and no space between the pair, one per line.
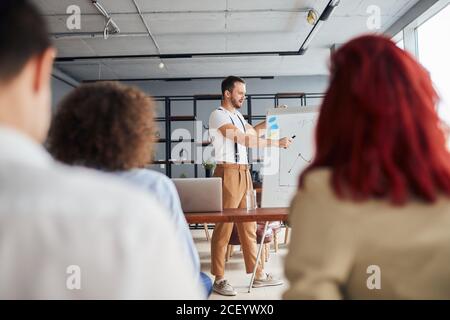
258,130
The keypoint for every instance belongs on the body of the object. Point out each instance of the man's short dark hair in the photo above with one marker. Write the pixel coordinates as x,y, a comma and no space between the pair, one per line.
228,83
23,34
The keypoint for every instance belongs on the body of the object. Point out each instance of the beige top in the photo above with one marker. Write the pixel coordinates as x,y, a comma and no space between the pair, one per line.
334,242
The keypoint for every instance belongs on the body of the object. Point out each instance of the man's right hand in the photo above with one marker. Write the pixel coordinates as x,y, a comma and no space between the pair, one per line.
284,142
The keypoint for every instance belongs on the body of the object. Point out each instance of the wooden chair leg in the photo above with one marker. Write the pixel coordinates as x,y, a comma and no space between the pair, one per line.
286,235
231,250
266,247
263,254
205,226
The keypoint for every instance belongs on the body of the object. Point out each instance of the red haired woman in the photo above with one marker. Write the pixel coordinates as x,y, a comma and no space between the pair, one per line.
371,218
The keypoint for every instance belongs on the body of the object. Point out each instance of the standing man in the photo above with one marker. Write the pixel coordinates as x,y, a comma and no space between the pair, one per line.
231,136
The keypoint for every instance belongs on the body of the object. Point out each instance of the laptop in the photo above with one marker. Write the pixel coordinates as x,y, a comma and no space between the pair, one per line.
200,194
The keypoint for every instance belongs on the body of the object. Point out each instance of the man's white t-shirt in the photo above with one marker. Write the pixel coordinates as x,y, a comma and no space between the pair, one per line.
224,148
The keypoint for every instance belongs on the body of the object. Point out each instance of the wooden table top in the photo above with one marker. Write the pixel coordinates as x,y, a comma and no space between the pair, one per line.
239,215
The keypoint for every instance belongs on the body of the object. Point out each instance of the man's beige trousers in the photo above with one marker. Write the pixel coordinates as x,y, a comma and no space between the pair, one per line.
236,180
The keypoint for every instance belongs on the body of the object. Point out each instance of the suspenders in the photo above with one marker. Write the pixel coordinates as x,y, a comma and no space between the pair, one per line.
236,149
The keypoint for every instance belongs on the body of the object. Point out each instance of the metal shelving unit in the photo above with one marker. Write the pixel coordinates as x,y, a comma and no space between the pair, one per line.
168,119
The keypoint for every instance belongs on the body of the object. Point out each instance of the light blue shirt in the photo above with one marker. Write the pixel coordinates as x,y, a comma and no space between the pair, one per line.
164,190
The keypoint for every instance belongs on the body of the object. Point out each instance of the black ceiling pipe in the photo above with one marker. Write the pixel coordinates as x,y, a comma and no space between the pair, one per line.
323,17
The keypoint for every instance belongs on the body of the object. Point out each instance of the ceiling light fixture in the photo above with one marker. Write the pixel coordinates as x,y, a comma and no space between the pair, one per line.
312,16
110,26
161,65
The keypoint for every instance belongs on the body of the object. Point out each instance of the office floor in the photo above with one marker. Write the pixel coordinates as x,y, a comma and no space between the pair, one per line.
235,270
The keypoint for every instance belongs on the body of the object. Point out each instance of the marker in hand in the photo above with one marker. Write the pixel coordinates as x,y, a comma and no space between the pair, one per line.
290,140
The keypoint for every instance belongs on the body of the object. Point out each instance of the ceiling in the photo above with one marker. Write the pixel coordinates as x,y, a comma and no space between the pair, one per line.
205,26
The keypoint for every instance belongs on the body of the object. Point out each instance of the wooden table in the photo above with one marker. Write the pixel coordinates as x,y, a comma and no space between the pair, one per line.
242,215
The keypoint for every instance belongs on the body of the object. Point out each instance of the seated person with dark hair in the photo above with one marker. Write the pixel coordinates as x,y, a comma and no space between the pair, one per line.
69,233
110,127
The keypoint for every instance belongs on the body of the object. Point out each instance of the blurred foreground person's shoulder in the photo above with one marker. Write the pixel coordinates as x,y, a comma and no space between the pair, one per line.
69,233
315,189
316,263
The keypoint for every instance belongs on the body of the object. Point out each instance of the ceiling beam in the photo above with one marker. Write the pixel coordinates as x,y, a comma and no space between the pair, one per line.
207,12
304,46
177,55
178,79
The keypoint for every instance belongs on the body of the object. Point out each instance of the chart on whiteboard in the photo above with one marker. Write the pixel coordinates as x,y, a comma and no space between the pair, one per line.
300,153
282,167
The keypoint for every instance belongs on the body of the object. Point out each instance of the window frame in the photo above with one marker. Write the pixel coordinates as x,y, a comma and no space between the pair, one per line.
410,32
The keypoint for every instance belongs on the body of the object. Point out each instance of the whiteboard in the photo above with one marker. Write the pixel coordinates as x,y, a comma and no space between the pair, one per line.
282,167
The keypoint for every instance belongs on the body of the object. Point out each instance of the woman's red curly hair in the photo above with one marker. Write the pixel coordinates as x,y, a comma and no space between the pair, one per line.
378,130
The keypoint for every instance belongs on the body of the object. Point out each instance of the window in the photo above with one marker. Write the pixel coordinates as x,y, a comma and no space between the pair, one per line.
434,53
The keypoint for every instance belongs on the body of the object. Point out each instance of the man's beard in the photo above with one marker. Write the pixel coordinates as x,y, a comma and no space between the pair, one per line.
236,104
